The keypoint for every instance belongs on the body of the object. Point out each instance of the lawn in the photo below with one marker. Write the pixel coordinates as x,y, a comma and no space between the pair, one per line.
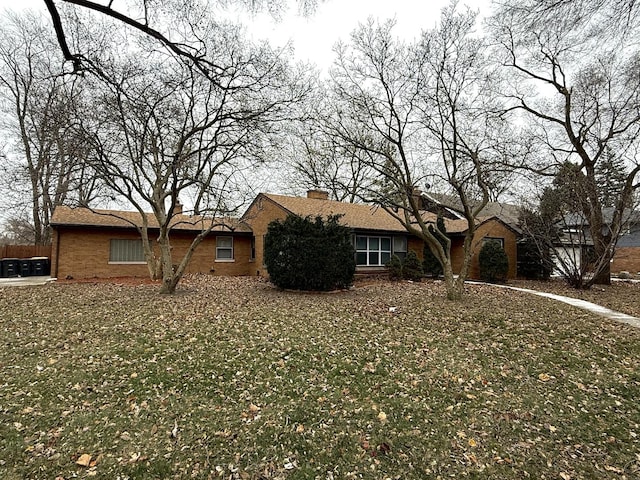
231,378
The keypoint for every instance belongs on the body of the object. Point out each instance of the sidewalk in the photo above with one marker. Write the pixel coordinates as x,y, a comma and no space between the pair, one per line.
592,307
24,281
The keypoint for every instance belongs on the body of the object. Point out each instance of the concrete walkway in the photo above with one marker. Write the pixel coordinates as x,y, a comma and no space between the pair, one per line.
592,307
24,281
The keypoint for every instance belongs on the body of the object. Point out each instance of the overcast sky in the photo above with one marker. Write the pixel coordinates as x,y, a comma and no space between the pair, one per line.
314,37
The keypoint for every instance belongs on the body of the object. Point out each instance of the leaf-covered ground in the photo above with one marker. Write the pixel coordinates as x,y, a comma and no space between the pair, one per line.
233,379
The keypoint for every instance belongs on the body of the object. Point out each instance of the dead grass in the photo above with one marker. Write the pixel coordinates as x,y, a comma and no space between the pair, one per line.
231,378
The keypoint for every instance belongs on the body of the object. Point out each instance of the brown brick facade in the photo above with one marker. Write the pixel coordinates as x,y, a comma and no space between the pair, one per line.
626,259
492,228
84,253
81,250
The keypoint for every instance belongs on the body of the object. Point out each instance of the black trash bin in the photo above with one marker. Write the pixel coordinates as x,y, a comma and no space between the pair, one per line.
40,266
25,267
9,267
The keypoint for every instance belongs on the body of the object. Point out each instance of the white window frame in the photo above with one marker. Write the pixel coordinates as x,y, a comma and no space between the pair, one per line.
220,248
368,250
125,249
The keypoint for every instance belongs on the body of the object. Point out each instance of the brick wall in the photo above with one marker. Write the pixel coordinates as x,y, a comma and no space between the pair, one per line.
259,215
626,259
491,228
84,253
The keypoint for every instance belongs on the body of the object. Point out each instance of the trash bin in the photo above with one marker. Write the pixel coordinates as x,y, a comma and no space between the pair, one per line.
40,266
25,267
10,267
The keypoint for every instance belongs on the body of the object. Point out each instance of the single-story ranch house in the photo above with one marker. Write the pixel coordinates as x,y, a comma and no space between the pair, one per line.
103,243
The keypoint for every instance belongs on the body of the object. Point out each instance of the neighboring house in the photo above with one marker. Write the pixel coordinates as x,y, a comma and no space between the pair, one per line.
576,241
106,244
627,254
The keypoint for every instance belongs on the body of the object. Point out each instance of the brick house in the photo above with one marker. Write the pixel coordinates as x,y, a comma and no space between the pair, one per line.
106,243
100,244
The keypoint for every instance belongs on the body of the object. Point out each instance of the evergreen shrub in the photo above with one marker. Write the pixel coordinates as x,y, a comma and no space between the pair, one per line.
302,253
494,263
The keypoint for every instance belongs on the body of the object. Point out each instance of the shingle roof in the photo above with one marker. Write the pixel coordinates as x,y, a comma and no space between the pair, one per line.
356,215
67,216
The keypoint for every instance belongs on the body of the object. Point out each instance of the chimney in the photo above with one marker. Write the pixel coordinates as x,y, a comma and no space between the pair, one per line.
318,194
177,209
416,193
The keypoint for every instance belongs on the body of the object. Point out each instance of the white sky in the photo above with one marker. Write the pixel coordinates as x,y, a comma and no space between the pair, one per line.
314,37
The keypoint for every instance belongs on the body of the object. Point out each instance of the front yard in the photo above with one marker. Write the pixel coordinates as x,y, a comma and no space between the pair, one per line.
233,379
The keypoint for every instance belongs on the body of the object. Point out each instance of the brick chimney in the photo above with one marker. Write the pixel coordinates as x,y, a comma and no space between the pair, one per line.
177,209
318,194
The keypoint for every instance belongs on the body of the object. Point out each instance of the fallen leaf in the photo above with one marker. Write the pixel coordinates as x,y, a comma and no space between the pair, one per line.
382,416
472,443
544,377
84,460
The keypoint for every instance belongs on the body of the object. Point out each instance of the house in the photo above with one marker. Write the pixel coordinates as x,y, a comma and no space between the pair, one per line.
626,257
576,243
106,244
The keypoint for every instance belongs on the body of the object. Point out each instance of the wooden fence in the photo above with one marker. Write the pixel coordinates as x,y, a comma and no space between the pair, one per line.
25,251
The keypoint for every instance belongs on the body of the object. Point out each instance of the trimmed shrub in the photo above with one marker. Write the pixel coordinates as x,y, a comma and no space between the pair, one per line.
395,268
412,267
532,263
302,253
494,263
430,264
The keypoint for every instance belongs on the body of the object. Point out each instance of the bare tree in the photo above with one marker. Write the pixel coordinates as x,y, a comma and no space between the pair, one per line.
314,158
579,85
47,157
165,133
421,111
151,19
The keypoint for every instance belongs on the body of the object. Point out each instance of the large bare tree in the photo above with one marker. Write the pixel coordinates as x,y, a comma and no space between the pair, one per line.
45,155
418,112
167,134
575,77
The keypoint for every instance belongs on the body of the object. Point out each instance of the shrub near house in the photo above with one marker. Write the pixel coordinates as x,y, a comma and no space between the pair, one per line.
305,254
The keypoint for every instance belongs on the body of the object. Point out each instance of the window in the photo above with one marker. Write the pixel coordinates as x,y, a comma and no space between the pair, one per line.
253,249
499,241
400,247
372,251
224,249
126,251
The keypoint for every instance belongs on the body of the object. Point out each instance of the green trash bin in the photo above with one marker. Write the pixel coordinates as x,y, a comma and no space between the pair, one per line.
10,267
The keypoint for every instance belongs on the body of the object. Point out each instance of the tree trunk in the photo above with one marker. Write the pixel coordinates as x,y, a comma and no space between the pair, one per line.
454,286
169,278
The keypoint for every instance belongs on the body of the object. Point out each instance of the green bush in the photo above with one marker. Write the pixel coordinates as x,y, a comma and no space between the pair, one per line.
395,268
532,263
430,264
309,254
409,268
494,263
412,267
